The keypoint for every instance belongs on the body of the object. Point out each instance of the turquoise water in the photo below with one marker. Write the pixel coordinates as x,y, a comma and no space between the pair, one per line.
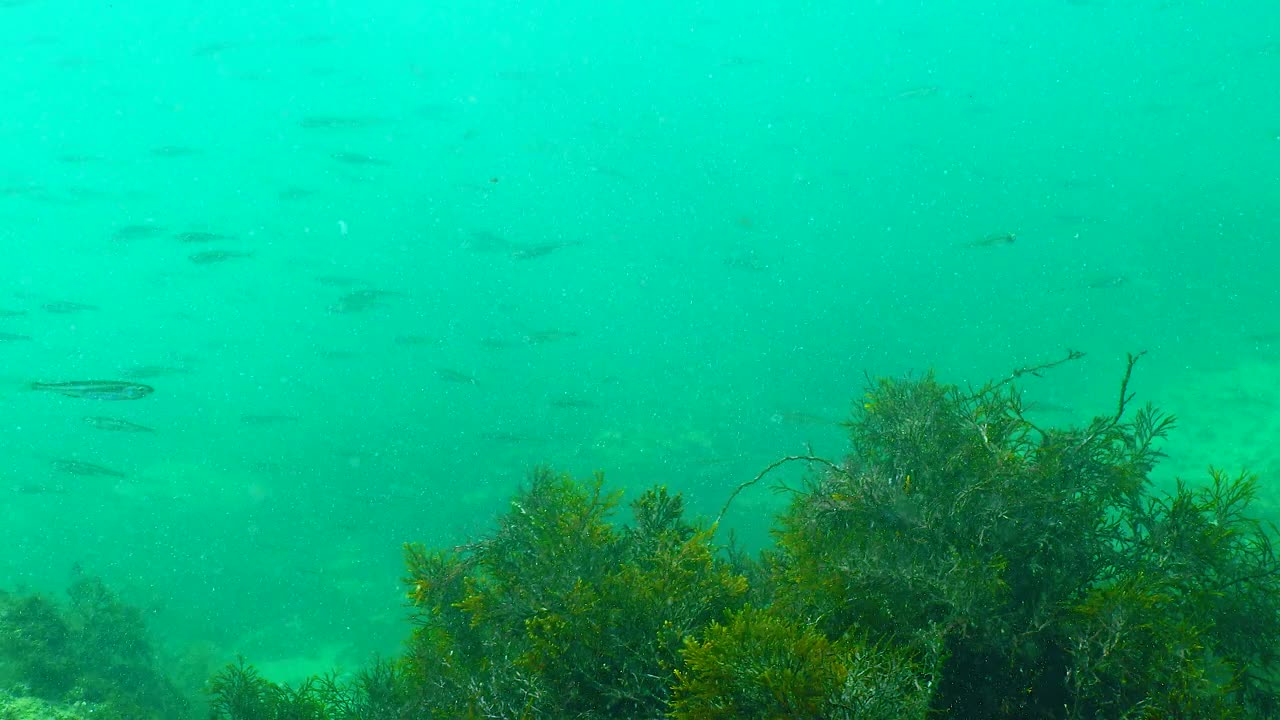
663,240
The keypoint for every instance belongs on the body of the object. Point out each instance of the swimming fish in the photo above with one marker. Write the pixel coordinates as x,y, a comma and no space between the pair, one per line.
455,376
357,159
994,240
541,337
269,419
84,469
209,257
198,236
532,252
137,232
360,301
96,389
116,424
66,307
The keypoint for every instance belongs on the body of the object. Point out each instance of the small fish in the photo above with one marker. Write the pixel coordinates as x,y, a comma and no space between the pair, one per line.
217,48
569,402
269,419
338,281
137,232
84,469
508,438
532,252
993,240
116,424
1106,282
455,376
173,151
358,159
209,257
66,307
96,389
748,260
417,341
39,489
483,241
360,301
7,337
78,159
1096,283
542,337
918,92
197,236
5,313
801,418
339,122
291,194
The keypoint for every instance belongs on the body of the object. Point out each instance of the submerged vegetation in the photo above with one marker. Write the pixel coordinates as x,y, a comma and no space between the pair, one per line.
94,649
961,562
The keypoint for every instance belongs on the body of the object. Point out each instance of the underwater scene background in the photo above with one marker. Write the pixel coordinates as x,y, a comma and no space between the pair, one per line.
379,260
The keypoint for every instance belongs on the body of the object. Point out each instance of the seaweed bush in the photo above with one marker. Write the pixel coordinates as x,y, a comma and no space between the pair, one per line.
1055,581
95,649
238,692
561,614
761,665
961,562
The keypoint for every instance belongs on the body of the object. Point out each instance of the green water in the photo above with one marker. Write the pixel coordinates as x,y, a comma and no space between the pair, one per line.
665,240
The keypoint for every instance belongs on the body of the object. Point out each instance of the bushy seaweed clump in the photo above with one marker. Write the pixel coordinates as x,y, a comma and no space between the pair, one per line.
962,562
558,613
94,649
1033,573
378,692
561,614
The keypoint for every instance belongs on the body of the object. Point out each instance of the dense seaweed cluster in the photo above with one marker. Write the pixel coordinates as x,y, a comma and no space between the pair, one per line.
961,562
92,649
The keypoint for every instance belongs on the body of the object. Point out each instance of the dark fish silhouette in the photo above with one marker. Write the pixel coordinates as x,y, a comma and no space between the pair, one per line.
96,389
541,337
569,402
533,252
483,241
455,376
66,307
269,419
340,122
209,257
1106,282
39,489
116,424
137,232
199,236
358,159
993,240
84,469
417,341
173,151
361,301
